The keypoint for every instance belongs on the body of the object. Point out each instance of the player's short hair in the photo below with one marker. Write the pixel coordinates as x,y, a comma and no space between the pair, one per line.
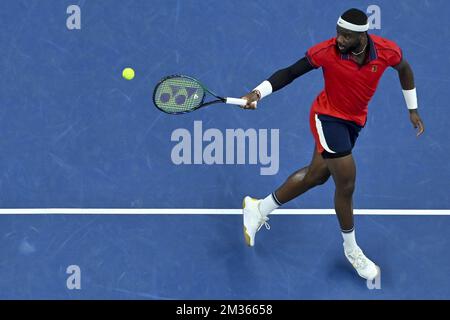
355,16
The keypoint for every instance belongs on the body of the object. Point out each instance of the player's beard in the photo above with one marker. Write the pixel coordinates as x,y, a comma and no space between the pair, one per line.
347,50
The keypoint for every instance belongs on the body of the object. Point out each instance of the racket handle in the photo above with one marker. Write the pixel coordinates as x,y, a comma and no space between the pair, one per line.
239,102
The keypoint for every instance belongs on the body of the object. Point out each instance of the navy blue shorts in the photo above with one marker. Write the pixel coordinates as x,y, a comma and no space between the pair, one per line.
334,137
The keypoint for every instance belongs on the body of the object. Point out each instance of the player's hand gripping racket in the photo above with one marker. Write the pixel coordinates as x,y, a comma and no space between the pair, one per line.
179,94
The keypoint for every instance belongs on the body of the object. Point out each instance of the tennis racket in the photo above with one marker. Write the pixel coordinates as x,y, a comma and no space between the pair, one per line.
178,94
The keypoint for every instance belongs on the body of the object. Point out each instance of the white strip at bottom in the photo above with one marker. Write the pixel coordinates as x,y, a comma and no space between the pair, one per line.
126,211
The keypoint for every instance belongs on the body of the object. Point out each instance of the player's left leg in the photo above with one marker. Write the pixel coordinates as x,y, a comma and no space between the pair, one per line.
343,171
338,137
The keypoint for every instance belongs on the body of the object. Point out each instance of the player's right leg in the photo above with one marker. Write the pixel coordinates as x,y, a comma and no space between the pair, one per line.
255,211
299,182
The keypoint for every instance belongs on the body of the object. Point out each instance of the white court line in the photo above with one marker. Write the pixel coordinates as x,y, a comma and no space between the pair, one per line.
127,211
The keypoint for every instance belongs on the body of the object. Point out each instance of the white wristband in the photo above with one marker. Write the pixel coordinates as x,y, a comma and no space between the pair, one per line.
265,88
410,98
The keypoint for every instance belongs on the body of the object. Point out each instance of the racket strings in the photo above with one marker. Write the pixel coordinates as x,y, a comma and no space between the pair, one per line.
178,95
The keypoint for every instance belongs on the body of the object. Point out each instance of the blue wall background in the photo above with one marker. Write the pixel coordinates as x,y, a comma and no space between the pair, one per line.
75,134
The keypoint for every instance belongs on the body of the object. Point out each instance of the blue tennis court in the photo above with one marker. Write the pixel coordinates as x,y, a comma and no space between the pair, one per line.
204,257
103,196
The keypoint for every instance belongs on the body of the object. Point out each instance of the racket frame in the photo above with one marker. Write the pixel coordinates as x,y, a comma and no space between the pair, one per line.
202,103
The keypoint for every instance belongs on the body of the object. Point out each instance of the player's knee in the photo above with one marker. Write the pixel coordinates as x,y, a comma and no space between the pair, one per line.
298,176
346,187
317,178
321,180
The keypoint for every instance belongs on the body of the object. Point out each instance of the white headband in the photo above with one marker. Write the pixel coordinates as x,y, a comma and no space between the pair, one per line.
353,27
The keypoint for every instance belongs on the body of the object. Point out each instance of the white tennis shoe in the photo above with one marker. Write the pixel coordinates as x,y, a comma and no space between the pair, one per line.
363,265
253,219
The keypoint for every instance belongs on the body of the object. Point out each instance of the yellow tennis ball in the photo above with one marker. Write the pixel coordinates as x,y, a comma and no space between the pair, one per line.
128,73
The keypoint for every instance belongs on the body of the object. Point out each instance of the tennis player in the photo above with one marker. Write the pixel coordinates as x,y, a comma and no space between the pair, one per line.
352,64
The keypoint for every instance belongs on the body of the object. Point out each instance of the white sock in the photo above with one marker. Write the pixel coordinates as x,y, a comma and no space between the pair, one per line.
267,205
349,239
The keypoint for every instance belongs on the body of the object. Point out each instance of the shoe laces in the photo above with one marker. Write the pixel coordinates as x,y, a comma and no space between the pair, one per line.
263,221
359,260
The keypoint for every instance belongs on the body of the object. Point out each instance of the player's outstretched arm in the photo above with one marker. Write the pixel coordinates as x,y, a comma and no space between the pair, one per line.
278,80
406,77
